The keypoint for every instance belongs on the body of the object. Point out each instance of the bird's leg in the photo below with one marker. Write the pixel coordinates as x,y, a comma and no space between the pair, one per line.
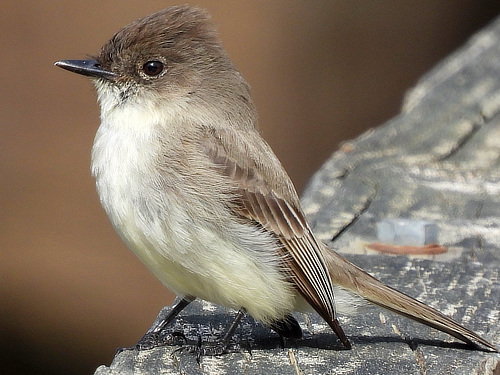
216,348
233,326
153,337
179,306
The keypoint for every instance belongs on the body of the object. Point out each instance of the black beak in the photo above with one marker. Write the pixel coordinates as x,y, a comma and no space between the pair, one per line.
90,68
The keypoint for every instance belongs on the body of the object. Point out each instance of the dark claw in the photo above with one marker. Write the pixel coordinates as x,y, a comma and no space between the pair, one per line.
148,341
201,349
155,339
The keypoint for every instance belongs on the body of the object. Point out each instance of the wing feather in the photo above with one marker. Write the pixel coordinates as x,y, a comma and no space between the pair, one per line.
264,205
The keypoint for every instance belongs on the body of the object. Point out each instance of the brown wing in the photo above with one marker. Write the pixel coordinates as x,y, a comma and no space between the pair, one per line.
261,202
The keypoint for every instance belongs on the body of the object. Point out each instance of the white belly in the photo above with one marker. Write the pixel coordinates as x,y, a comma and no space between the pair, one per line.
189,248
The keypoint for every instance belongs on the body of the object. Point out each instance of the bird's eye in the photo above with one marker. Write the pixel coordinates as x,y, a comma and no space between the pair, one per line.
153,68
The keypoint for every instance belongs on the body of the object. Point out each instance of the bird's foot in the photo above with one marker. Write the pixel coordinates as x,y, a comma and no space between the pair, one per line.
155,339
208,348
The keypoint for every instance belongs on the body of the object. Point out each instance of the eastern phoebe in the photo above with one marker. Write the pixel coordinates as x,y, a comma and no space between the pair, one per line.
193,189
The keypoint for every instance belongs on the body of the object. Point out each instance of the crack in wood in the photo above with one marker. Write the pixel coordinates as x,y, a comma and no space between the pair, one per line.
357,215
293,362
420,362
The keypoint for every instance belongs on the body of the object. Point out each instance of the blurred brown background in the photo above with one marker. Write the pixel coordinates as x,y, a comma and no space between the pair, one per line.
321,72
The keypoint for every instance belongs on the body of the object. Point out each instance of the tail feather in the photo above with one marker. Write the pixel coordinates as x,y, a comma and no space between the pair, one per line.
353,278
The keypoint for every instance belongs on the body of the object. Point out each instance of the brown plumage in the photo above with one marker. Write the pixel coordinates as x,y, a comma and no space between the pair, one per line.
199,196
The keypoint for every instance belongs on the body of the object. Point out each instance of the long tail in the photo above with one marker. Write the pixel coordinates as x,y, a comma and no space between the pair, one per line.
353,278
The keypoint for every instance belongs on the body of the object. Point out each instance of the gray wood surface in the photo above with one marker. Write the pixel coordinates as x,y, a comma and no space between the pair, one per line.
437,161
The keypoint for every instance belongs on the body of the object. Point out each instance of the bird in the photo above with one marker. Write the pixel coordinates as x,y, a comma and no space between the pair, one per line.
199,196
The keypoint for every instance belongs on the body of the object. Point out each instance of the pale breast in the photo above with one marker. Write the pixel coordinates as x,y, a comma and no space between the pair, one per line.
179,226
